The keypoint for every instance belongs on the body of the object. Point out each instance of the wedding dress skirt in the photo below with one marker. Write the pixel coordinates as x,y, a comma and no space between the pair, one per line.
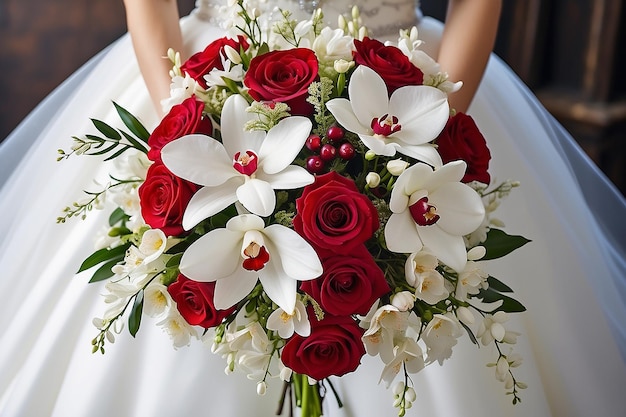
571,277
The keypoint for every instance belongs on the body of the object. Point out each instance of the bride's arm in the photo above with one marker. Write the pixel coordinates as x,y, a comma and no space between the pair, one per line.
154,28
468,39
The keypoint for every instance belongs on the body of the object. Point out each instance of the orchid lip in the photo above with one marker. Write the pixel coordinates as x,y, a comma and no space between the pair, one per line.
246,163
385,125
257,257
423,213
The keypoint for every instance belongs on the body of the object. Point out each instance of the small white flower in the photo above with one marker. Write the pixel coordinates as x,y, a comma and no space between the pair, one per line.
288,323
471,280
440,336
492,328
420,273
178,329
153,244
156,300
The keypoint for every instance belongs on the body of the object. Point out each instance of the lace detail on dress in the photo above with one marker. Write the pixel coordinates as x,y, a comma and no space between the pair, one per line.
383,18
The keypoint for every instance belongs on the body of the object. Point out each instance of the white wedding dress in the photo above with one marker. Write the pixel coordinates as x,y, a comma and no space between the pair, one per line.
571,277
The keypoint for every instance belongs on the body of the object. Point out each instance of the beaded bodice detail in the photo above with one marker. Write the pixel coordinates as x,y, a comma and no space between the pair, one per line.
382,17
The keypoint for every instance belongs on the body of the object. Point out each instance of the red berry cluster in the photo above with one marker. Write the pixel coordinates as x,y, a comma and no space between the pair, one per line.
328,148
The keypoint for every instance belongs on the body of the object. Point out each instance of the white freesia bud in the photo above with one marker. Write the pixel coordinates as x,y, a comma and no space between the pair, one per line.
369,155
372,179
342,66
341,22
285,374
465,315
232,55
502,368
476,253
410,395
398,388
355,13
261,388
403,301
397,166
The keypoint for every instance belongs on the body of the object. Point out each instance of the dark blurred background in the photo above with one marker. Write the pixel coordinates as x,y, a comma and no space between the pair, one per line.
570,52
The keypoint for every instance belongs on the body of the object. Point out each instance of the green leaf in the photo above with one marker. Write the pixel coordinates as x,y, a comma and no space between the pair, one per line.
118,153
509,305
102,255
104,272
132,123
117,216
138,145
499,244
498,285
106,130
134,320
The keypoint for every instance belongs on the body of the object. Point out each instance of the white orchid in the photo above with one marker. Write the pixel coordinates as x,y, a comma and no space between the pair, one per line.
246,167
432,209
406,122
407,353
245,251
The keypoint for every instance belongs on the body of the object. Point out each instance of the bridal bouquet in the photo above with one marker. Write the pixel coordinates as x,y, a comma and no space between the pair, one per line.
309,198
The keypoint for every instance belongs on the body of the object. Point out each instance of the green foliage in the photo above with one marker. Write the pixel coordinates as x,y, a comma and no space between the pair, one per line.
499,244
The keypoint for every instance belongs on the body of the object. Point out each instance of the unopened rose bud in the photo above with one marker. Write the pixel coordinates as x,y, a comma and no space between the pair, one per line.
397,166
372,179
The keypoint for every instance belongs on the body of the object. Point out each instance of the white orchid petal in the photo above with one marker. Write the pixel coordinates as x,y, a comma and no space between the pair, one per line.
423,112
401,233
298,258
234,117
448,248
208,201
214,256
245,222
450,172
229,291
280,288
199,159
283,143
341,109
460,208
257,196
425,153
288,179
368,95
378,145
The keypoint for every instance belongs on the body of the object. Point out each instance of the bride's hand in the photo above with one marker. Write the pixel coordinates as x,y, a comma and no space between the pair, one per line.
468,39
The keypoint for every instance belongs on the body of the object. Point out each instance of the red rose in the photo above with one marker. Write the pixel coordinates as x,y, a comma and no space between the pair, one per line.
349,284
201,63
389,62
462,140
163,198
283,76
182,119
334,347
334,215
194,301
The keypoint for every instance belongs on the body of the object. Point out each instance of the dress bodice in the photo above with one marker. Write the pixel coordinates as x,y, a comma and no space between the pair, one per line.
381,18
